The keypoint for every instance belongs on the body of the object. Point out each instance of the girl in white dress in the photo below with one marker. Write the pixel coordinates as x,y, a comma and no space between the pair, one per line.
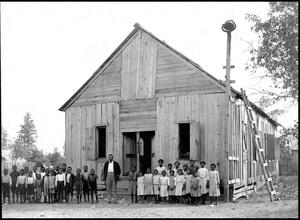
156,185
188,186
172,187
180,184
214,183
203,177
140,186
148,184
164,182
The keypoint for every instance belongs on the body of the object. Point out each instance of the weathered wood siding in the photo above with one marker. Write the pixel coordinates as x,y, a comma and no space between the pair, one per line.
267,131
105,88
204,109
81,125
138,115
139,68
176,77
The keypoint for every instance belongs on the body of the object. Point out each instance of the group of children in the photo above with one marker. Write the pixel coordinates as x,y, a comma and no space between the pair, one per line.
190,185
55,185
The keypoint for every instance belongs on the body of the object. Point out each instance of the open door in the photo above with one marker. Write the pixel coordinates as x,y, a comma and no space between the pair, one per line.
195,146
129,149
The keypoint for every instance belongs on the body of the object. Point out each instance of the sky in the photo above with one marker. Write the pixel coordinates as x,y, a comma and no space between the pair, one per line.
50,49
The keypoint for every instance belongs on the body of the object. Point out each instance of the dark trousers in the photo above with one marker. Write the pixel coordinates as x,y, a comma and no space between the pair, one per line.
93,187
60,190
86,190
14,191
69,190
6,191
22,192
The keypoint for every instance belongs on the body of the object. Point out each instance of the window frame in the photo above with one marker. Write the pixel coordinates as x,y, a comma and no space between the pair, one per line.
188,122
97,140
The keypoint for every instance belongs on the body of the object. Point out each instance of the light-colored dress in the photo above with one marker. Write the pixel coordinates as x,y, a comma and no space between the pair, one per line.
46,185
180,180
140,186
214,180
132,183
203,177
164,182
188,183
172,184
160,169
52,184
194,186
156,184
148,183
175,171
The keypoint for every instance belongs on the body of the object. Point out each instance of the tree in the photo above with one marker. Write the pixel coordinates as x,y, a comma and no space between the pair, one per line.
277,50
54,158
24,146
277,55
4,139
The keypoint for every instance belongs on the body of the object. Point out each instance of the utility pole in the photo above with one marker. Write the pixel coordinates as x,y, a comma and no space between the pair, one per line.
227,27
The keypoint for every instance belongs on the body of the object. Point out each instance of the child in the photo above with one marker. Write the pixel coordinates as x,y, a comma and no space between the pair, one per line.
38,187
188,186
176,164
160,167
140,185
85,184
194,188
52,185
6,184
45,186
70,179
180,183
148,184
214,183
192,166
29,184
132,184
172,187
60,182
92,181
14,176
185,168
78,185
203,180
43,173
169,169
156,185
164,182
21,185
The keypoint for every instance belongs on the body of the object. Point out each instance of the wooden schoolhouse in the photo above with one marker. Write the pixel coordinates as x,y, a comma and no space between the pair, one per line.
148,101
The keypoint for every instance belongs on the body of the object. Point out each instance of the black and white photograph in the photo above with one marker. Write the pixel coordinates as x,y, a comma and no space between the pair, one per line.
149,109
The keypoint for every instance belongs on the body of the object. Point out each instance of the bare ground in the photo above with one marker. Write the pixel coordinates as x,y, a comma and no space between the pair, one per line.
257,205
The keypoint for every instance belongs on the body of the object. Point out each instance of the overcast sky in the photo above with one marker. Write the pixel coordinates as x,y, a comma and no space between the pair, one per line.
49,50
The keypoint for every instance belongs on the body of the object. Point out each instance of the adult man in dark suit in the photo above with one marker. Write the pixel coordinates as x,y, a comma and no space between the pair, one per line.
111,174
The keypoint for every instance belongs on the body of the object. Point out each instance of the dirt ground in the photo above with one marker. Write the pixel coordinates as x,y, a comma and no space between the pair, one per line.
257,205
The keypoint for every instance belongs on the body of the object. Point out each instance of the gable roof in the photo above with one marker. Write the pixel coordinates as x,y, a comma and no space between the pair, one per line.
138,27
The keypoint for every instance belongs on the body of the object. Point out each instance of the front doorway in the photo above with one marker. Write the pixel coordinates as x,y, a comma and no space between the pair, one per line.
137,148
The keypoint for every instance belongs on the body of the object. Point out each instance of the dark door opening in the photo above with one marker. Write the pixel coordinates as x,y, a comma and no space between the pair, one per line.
135,154
145,160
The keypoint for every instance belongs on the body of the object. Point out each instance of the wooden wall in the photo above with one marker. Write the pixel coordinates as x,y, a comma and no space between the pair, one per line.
80,134
175,77
105,88
139,68
138,115
204,109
